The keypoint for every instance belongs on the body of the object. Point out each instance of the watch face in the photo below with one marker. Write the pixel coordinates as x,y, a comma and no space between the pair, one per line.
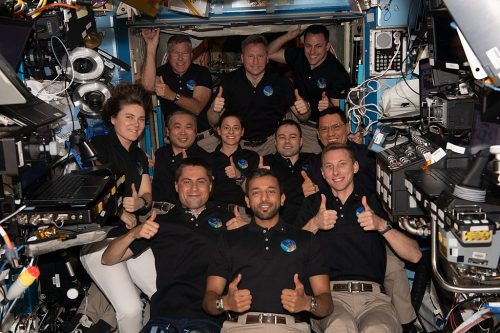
219,304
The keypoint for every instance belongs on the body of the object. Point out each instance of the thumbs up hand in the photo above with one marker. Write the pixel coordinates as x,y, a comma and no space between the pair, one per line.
237,221
325,219
184,154
133,203
308,186
237,300
219,101
232,171
324,103
295,300
301,106
368,220
163,90
261,163
147,229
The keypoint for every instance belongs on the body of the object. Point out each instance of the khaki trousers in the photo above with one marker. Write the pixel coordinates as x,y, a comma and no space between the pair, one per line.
240,326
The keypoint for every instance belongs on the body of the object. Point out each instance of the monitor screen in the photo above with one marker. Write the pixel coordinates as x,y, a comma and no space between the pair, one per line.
447,47
13,37
11,89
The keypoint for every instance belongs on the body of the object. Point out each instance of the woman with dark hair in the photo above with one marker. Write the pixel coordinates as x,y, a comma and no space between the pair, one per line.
125,115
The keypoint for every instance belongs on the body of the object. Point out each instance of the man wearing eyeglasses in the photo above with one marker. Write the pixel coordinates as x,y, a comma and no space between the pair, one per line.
179,84
334,128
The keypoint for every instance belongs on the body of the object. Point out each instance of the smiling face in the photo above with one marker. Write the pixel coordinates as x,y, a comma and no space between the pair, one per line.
181,131
288,141
331,129
193,187
338,169
315,49
264,198
254,58
179,57
230,131
129,123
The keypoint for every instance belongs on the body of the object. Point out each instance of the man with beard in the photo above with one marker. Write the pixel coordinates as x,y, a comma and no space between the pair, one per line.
287,164
276,270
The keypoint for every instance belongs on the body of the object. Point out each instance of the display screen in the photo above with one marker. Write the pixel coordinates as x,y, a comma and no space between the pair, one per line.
447,47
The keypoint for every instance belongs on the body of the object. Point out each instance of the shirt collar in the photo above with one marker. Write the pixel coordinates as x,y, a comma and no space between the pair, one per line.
279,227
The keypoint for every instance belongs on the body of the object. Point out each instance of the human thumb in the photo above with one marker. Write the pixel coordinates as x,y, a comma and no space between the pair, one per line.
219,94
184,154
304,175
322,206
296,280
236,212
297,95
234,285
134,191
365,204
323,95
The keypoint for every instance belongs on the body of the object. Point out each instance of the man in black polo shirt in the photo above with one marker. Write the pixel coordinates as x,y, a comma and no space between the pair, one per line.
258,95
319,76
271,266
347,221
287,164
334,128
181,131
183,242
179,84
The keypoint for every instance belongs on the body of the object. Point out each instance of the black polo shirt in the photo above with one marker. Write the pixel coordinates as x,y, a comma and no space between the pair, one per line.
133,163
183,248
365,177
330,77
196,75
260,108
267,260
291,179
225,190
350,252
166,164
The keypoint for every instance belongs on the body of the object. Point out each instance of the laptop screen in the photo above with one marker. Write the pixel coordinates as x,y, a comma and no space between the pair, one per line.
13,37
12,90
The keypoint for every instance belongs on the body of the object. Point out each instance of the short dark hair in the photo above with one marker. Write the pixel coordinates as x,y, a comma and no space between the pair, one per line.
193,161
125,94
254,39
178,39
333,110
317,29
287,122
227,115
258,173
180,112
338,146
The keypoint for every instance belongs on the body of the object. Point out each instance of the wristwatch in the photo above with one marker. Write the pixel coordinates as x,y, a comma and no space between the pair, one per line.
219,304
314,304
177,97
387,228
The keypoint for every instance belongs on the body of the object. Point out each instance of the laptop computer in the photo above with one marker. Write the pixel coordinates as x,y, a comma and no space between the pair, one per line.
71,190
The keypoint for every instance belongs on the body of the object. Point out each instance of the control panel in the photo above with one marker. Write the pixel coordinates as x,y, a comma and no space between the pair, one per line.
387,44
391,166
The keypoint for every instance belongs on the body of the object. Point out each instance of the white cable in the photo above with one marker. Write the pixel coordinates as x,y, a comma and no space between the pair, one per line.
61,66
359,110
13,214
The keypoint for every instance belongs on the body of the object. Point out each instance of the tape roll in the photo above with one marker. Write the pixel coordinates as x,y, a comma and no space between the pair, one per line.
87,64
90,98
